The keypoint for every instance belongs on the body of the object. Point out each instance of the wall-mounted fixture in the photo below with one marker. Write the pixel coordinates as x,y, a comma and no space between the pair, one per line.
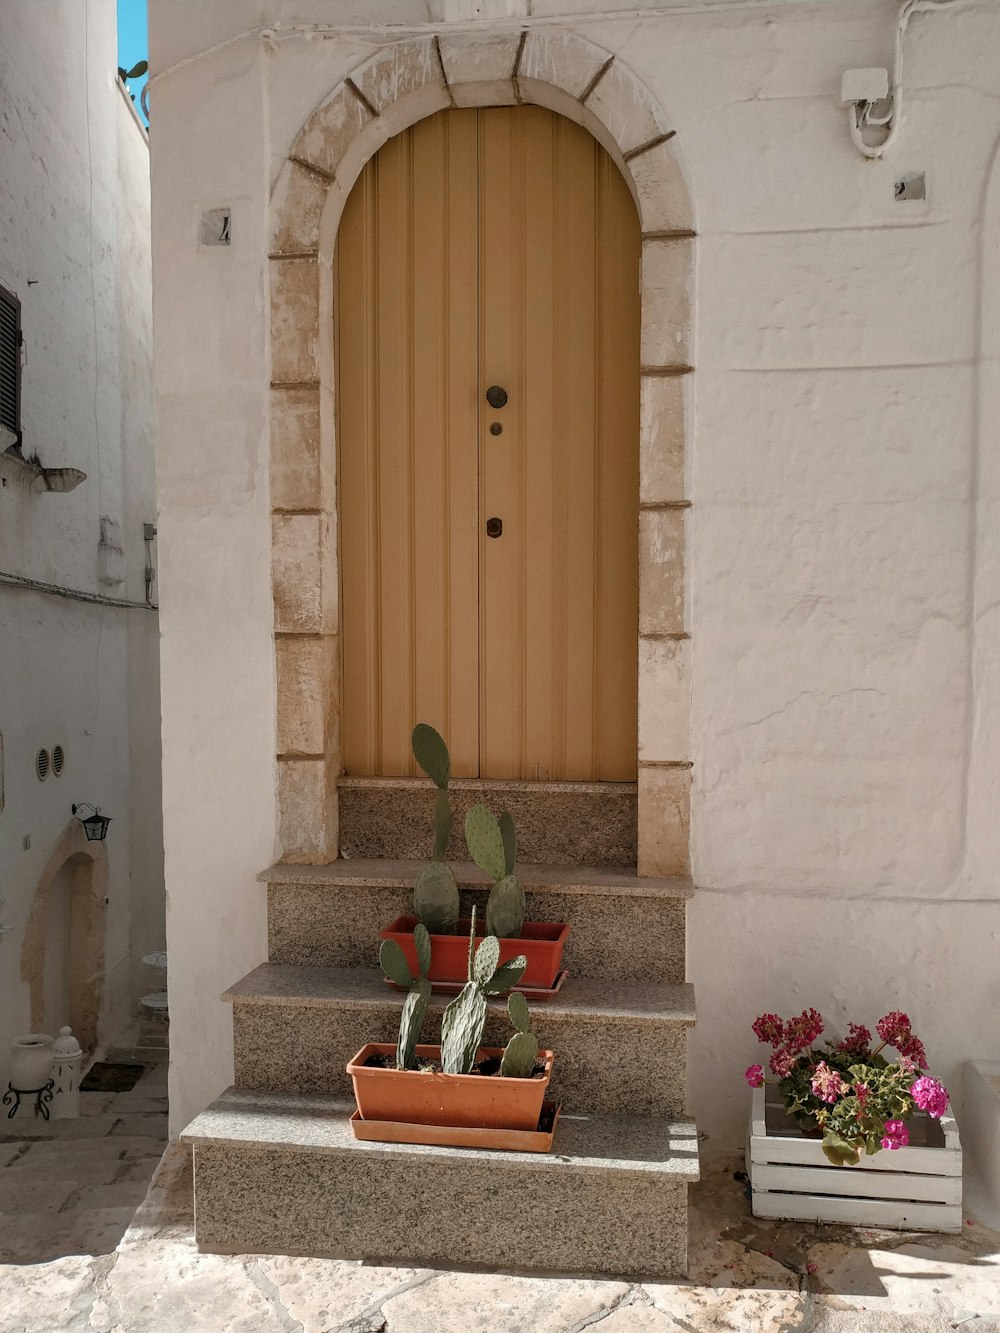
95,824
872,102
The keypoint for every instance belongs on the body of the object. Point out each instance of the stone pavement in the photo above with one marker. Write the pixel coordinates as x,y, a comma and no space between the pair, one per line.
747,1276
71,1187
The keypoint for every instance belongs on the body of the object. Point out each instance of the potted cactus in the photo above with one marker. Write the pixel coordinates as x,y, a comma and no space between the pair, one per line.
492,845
461,1083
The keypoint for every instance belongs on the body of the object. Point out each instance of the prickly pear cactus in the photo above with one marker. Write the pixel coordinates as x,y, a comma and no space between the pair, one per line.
431,753
465,1018
485,841
505,908
435,898
462,1029
522,1050
397,969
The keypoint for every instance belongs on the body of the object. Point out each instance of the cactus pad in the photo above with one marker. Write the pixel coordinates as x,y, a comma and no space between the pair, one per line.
431,753
394,964
462,1030
442,823
520,1056
507,976
422,944
509,836
411,1021
486,960
435,898
517,1007
485,841
505,908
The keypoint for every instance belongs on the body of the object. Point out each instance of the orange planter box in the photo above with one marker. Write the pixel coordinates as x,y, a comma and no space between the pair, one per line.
476,1101
541,943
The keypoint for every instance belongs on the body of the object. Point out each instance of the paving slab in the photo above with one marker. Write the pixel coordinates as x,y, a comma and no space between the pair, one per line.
746,1276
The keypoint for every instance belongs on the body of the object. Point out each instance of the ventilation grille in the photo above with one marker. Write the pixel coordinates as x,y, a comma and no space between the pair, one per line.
58,759
10,338
42,765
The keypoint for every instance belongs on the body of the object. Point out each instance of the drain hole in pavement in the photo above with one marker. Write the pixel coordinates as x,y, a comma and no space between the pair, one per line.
111,1078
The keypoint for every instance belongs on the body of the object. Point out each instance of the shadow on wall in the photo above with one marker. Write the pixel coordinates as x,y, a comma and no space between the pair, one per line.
62,958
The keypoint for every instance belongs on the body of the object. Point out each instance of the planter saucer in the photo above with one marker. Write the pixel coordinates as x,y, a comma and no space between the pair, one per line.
455,987
457,1136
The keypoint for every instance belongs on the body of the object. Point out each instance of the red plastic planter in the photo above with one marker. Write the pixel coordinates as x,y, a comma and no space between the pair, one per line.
476,1101
541,943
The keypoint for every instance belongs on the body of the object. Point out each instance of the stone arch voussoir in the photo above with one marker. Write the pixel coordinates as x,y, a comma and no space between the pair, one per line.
396,87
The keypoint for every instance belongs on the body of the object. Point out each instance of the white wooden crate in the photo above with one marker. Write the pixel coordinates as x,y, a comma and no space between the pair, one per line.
916,1188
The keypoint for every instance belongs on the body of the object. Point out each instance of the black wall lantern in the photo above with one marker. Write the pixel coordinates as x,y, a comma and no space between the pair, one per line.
96,824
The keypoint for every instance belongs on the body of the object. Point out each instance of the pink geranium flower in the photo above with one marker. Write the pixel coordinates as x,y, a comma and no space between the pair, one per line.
782,1062
857,1041
827,1083
930,1096
754,1075
804,1030
894,1027
895,1135
769,1028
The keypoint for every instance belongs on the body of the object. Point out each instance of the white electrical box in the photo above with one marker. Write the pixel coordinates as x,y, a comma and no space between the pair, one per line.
864,85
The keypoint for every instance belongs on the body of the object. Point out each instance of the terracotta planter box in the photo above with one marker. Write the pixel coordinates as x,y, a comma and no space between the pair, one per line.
474,1101
454,1136
541,943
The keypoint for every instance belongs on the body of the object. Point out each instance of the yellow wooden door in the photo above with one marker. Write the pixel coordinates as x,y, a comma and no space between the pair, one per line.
494,248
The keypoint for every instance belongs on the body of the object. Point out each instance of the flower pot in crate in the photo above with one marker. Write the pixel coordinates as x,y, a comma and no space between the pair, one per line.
916,1188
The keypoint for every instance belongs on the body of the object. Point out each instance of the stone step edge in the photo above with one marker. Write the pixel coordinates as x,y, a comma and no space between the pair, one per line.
613,790
249,1120
582,881
585,1000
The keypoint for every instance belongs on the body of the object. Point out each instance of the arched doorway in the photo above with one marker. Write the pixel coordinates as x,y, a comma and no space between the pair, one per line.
63,953
486,306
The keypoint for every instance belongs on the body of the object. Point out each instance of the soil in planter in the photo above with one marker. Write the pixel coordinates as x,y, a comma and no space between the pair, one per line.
489,1068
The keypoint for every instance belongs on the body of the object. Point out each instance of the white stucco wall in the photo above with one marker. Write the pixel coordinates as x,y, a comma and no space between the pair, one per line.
842,557
74,246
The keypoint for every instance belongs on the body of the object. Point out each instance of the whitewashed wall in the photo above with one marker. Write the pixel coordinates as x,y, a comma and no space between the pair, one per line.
842,551
74,220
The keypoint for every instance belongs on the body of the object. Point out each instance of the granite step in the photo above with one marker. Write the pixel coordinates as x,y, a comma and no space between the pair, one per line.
584,823
280,1173
620,1047
623,927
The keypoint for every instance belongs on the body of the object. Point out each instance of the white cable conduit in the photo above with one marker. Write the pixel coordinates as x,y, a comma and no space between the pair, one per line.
859,113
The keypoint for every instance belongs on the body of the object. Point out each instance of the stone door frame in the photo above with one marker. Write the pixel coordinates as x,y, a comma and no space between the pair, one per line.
399,85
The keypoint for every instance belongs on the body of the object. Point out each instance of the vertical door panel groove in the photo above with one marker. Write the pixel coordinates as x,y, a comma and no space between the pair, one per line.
498,246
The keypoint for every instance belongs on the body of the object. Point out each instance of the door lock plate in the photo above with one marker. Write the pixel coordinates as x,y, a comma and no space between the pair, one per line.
494,527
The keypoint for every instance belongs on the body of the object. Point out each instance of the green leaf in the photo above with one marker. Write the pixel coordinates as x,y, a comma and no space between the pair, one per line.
841,1151
136,71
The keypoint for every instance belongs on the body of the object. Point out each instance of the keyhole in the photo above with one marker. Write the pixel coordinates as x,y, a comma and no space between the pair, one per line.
494,527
